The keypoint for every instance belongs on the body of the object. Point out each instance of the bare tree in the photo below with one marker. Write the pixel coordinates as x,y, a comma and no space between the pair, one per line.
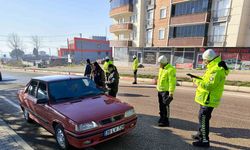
14,41
36,41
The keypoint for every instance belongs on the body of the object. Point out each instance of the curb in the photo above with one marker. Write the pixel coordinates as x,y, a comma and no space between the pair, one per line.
143,80
16,137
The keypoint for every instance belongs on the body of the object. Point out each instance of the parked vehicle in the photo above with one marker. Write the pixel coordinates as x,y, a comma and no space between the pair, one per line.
1,76
75,111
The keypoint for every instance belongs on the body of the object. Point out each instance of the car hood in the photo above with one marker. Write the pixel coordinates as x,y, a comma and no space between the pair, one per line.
92,109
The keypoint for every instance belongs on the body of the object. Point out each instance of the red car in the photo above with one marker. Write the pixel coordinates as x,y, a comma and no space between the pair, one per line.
75,111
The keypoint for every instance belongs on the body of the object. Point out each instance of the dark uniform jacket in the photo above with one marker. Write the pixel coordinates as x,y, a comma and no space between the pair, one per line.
113,81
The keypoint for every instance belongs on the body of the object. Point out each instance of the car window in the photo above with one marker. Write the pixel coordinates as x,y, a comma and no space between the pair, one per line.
32,88
42,91
67,90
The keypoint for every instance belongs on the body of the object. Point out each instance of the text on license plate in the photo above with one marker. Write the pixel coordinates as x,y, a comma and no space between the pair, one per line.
114,130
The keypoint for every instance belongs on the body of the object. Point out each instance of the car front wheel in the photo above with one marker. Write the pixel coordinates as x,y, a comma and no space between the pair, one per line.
27,115
61,138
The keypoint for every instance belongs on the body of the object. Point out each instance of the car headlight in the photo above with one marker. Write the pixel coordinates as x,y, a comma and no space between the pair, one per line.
86,126
129,113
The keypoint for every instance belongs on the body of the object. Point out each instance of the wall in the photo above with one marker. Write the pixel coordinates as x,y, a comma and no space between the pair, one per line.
139,8
244,29
161,23
92,45
234,23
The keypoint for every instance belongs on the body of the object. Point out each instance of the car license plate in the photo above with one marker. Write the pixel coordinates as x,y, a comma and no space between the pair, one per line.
114,130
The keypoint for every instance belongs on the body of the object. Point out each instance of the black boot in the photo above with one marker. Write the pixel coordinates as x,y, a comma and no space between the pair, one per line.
163,123
201,143
134,83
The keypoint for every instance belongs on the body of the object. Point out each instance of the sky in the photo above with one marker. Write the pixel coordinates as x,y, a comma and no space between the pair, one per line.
53,20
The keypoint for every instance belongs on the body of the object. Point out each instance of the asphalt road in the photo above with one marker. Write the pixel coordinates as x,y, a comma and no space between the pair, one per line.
230,123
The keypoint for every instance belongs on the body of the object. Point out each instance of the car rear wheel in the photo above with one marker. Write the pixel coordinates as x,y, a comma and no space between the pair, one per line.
61,139
26,115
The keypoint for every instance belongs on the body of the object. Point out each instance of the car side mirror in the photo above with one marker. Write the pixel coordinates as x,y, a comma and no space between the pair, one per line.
42,101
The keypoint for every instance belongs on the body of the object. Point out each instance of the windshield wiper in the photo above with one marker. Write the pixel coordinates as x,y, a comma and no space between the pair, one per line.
89,94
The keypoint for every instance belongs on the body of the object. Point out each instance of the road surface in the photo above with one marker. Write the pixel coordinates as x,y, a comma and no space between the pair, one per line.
230,123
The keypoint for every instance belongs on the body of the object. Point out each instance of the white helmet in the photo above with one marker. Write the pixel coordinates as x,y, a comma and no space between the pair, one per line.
106,57
163,59
209,54
134,56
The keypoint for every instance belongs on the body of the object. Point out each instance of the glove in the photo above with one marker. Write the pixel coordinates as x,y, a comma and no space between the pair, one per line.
223,64
167,100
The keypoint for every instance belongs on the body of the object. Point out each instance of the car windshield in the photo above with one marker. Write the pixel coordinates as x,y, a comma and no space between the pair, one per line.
69,90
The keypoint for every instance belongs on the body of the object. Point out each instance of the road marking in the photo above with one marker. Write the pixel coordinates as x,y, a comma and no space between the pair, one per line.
10,102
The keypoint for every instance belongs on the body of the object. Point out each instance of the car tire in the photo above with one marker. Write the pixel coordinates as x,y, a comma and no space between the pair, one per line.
26,116
61,139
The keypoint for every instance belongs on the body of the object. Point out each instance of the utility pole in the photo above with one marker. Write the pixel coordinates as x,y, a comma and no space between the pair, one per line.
49,52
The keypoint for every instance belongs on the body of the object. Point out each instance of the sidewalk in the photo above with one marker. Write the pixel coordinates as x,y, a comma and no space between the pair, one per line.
9,140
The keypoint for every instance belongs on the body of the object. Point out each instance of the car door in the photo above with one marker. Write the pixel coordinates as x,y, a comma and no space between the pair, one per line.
30,96
43,111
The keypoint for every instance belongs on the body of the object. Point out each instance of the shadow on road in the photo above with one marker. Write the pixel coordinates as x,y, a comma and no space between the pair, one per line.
137,86
148,136
131,95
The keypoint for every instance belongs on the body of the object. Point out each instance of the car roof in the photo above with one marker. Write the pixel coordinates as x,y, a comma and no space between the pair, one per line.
53,78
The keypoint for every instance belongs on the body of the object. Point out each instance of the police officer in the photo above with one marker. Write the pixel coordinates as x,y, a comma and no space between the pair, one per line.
88,69
135,67
165,86
113,80
105,66
209,91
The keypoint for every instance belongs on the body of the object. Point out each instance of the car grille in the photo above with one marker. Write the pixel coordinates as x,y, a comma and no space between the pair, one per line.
112,119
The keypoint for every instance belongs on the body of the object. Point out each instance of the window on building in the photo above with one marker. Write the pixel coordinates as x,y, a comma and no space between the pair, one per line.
118,3
149,36
163,13
134,35
121,37
161,34
190,7
188,31
133,18
150,15
121,20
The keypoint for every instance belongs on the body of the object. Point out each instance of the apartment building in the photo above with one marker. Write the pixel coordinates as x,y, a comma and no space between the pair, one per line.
181,30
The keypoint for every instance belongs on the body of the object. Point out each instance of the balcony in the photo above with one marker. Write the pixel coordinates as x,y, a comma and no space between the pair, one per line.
120,43
190,19
187,41
124,10
121,27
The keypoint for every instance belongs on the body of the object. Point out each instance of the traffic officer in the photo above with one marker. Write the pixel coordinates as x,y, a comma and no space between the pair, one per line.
105,66
165,86
208,94
135,67
113,80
